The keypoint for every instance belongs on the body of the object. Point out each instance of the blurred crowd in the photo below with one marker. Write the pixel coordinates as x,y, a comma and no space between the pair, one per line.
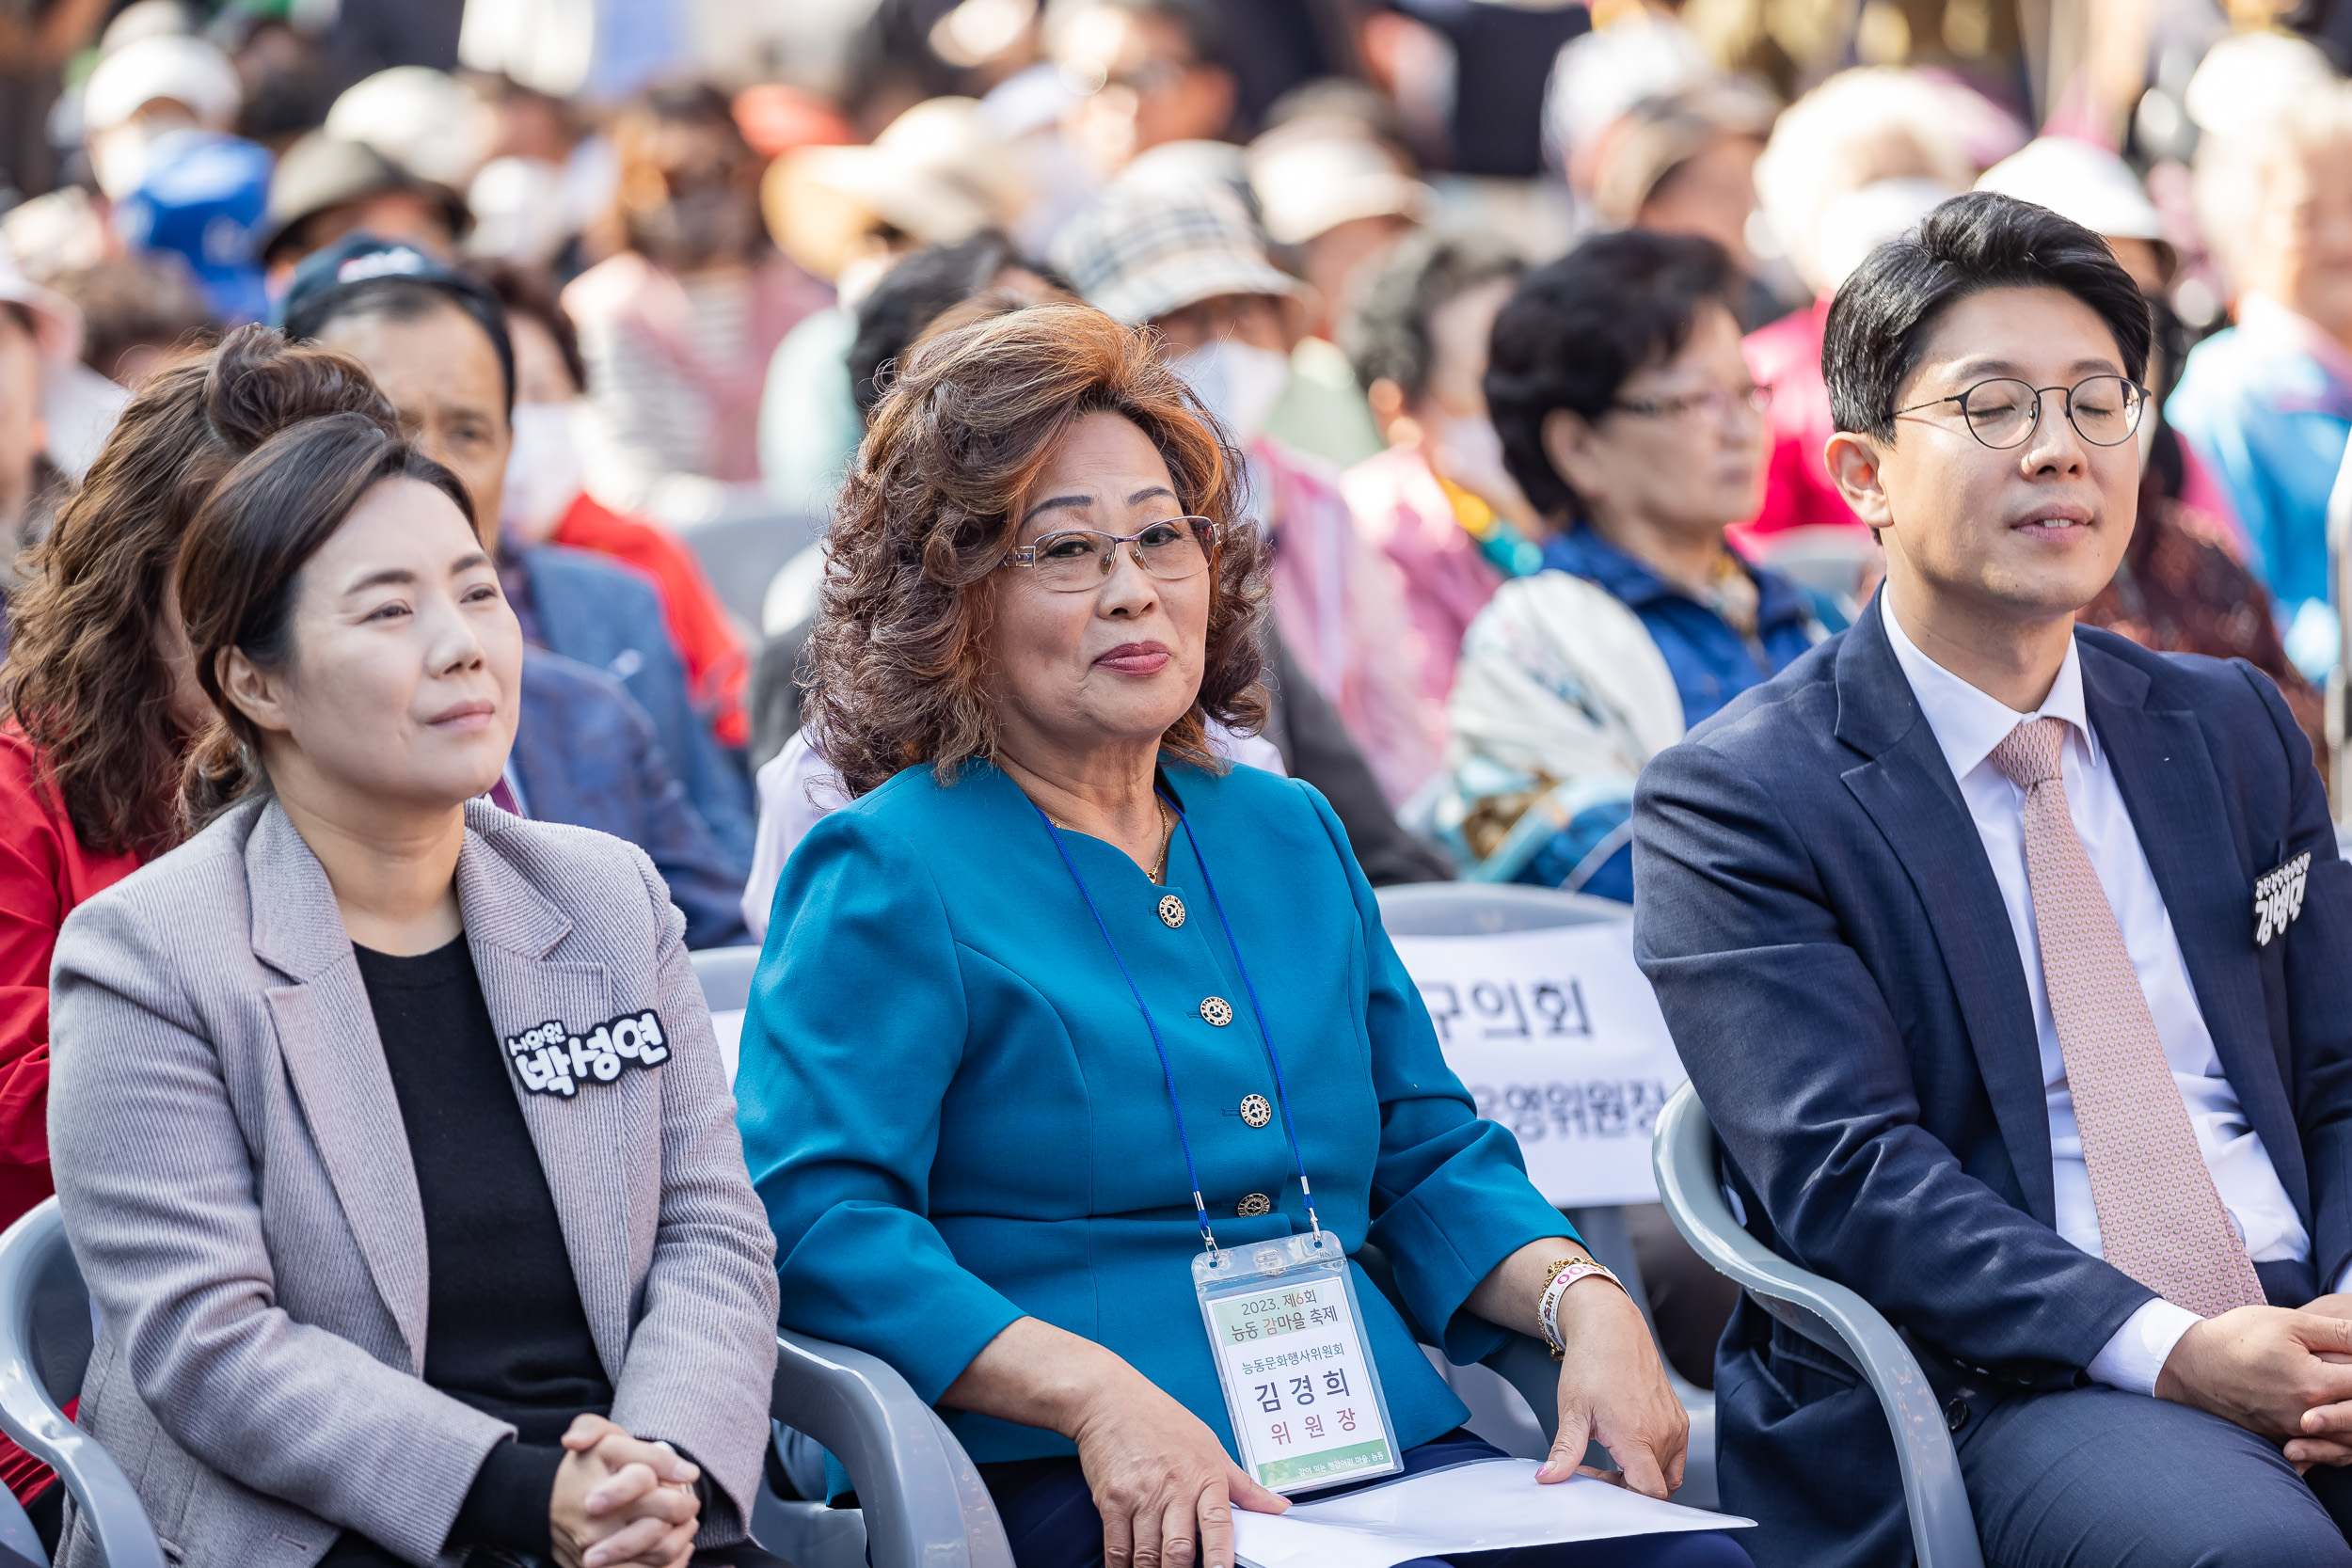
1515,308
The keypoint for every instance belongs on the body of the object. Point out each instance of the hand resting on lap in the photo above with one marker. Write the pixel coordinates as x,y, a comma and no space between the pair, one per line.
1613,1386
1162,1481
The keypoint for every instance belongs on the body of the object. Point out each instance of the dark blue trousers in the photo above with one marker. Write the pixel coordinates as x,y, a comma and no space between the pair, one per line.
2094,1477
1050,1521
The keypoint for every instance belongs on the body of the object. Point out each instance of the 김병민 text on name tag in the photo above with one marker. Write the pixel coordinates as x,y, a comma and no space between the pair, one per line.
1558,1036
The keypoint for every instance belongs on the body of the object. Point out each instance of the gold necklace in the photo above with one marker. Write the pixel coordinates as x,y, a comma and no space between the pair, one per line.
1168,836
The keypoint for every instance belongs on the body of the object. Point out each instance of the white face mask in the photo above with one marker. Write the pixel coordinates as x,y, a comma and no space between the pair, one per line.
1470,453
118,157
1239,384
544,471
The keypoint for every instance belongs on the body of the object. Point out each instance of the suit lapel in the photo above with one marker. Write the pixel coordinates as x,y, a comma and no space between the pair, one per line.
327,1036
1908,789
586,1143
2196,847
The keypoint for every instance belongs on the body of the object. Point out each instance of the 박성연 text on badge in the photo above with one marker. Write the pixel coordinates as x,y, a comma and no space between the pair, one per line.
550,1059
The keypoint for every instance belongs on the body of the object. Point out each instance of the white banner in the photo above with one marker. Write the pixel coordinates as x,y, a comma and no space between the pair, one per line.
1558,1037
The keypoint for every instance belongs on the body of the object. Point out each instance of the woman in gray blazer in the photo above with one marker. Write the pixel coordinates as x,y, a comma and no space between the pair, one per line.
390,1129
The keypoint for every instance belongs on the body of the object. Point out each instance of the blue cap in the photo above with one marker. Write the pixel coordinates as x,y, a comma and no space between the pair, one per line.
363,258
202,198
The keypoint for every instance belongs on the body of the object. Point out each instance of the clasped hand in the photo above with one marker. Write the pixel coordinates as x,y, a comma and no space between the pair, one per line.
619,1500
2285,1373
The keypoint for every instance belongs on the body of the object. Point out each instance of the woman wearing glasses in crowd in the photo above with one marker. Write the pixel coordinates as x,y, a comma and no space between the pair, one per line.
101,703
1058,1006
1630,419
388,1127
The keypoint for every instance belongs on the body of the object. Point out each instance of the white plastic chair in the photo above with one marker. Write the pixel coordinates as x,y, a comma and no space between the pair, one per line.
1484,908
1942,1526
45,1340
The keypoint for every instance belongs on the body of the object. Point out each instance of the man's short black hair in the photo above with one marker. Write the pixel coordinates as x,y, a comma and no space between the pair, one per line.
1880,321
1386,328
1576,330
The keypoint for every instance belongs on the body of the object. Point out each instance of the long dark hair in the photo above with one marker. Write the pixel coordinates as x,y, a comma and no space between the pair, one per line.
85,676
241,567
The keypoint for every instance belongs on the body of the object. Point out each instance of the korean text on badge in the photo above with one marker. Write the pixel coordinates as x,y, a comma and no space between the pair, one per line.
2278,898
550,1059
1304,1417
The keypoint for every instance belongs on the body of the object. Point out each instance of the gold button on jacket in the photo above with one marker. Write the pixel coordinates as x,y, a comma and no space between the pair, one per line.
1217,1010
1172,910
1255,1111
1254,1204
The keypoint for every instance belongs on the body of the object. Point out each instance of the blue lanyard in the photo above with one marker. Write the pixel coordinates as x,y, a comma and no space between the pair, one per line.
1167,1072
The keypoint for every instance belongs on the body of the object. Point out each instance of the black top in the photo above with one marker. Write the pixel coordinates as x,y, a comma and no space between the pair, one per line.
504,1328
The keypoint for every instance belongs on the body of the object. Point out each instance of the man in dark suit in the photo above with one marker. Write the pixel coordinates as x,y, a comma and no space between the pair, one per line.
2008,958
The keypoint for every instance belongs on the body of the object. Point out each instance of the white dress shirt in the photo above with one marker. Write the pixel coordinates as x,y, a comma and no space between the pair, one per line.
1968,724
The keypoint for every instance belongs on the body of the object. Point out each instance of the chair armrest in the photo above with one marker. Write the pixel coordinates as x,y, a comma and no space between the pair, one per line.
1942,1526
30,1248
924,1501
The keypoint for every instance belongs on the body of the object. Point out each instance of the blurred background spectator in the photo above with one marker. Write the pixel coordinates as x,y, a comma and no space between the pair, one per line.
1630,420
714,223
679,322
2268,400
1439,502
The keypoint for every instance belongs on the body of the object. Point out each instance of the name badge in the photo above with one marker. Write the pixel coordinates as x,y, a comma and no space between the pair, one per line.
2278,898
1303,1394
550,1059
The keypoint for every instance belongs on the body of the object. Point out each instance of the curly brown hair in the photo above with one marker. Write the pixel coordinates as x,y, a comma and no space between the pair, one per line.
897,665
86,675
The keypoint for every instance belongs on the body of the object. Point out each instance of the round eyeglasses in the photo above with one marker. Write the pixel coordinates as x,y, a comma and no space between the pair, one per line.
1079,559
2002,413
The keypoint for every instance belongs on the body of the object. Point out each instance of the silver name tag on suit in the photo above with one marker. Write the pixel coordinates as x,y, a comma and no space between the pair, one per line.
2278,898
550,1059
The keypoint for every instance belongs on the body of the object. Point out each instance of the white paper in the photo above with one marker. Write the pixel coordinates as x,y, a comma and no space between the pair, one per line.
1488,1505
1558,1036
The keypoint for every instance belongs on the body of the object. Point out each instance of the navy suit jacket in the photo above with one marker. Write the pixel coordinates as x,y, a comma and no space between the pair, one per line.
1831,953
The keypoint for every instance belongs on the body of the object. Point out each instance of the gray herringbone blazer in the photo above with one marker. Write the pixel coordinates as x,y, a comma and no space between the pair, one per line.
236,1184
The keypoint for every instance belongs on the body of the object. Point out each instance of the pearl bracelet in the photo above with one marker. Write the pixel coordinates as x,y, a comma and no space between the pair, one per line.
1560,1275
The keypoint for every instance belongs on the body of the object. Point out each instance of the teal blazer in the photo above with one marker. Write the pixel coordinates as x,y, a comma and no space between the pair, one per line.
954,1115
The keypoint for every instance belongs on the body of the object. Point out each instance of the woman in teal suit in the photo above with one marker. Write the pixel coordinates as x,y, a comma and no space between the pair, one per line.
1058,996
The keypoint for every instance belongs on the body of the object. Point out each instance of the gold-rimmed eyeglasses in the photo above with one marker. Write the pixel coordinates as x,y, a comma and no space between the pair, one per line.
2003,412
1078,560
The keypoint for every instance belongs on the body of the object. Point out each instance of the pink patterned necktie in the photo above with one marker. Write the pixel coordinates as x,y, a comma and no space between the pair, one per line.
2160,1219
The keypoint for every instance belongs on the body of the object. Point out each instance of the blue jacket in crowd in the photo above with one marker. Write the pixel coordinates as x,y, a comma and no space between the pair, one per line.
586,753
608,618
2268,404
1710,663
